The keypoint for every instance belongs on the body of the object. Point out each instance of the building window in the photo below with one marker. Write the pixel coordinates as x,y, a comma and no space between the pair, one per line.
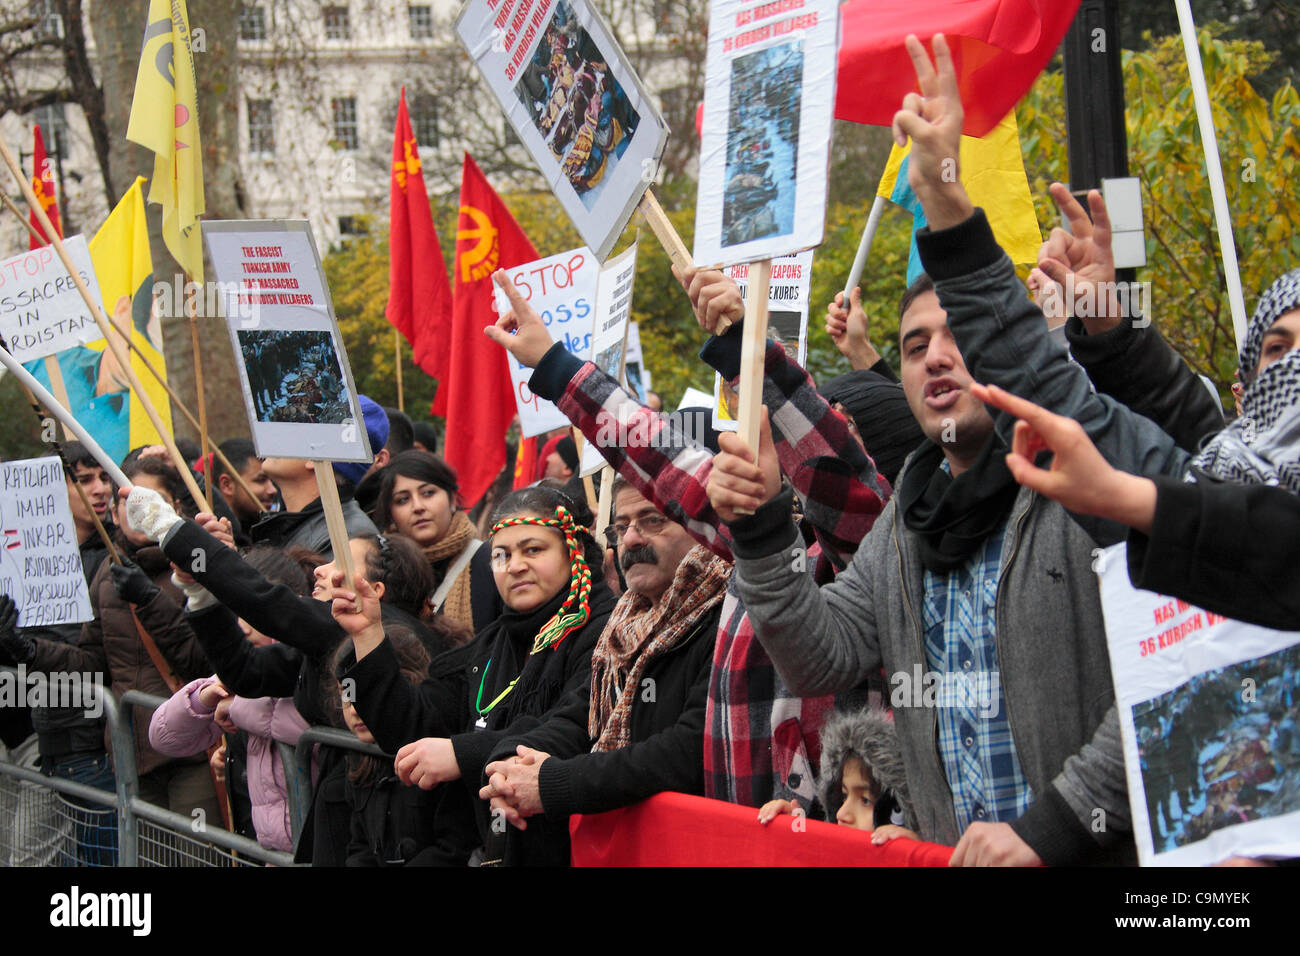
261,128
49,24
421,21
352,226
337,26
424,119
54,129
344,110
252,23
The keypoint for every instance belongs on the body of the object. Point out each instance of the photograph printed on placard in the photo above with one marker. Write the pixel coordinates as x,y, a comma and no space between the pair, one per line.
1221,749
295,377
577,105
762,144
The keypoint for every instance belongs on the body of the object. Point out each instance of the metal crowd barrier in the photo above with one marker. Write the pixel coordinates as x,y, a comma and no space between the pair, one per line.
51,821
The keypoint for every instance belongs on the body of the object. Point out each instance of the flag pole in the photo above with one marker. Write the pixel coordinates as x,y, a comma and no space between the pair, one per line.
397,353
1214,169
97,313
864,247
152,369
204,441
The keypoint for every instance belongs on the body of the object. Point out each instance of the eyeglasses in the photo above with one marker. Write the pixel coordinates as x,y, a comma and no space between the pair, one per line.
647,526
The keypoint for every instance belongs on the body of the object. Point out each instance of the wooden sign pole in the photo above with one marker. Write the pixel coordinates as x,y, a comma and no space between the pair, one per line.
58,387
97,313
753,342
604,502
329,499
587,486
397,354
152,370
203,408
663,229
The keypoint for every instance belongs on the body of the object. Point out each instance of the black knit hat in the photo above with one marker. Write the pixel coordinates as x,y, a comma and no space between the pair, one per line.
567,449
888,428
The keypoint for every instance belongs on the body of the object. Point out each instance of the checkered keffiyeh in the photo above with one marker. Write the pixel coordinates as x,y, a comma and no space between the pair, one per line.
760,741
1263,445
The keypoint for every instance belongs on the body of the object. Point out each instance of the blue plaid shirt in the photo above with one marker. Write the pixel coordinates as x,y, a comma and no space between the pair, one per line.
975,745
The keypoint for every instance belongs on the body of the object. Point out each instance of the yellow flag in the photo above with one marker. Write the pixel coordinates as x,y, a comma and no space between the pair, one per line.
993,172
120,254
165,119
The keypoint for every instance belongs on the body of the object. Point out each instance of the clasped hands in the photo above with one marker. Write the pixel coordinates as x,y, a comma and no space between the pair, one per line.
513,789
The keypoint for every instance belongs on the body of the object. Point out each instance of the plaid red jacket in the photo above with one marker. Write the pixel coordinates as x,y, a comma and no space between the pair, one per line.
760,741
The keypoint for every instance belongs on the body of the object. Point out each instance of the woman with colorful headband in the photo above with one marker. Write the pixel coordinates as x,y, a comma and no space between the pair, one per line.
501,683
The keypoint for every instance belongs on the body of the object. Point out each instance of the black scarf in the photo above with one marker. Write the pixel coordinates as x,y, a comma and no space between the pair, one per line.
954,516
510,646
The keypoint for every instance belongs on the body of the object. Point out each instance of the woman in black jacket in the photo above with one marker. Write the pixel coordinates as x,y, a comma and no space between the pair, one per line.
498,685
227,588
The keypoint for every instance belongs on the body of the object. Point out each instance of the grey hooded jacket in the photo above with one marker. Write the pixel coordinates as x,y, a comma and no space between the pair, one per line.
1053,663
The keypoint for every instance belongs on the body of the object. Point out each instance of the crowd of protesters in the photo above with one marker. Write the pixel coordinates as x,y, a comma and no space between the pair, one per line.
733,632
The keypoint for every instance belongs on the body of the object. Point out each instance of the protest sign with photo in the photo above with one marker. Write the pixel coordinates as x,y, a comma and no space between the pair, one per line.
575,103
787,324
1209,712
634,371
41,311
610,334
562,288
40,563
769,95
298,388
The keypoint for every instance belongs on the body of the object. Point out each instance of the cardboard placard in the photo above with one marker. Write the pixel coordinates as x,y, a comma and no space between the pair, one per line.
787,323
610,333
1209,712
41,311
562,289
769,96
575,103
293,369
40,563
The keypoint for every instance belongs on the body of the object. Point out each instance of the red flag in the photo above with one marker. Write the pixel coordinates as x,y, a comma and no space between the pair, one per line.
999,47
43,186
525,463
475,394
419,296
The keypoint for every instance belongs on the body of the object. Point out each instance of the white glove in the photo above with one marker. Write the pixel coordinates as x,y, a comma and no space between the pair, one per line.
196,595
148,513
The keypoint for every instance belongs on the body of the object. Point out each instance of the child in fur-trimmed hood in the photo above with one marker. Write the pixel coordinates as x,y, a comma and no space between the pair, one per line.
862,779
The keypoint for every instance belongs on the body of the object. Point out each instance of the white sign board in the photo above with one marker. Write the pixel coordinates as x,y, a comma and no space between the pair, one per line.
41,311
298,389
610,333
575,103
562,289
787,322
1209,712
40,564
769,96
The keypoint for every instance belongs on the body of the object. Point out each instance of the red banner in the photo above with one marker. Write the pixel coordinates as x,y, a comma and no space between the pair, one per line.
476,395
419,295
998,46
43,186
672,829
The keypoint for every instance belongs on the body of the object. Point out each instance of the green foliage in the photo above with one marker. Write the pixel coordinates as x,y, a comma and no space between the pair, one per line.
1261,159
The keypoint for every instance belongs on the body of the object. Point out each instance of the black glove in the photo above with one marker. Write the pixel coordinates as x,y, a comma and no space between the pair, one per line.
17,647
132,584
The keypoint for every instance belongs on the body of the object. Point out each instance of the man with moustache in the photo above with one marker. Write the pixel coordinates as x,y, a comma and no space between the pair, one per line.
638,729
